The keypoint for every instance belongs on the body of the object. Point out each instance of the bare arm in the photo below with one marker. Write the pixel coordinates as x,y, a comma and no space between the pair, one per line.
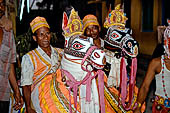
143,91
26,82
18,98
27,98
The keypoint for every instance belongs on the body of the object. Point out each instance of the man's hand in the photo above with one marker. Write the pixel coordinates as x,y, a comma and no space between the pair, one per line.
18,101
17,96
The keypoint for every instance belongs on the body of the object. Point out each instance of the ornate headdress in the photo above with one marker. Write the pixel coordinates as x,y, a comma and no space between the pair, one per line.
167,40
90,20
73,25
116,17
37,23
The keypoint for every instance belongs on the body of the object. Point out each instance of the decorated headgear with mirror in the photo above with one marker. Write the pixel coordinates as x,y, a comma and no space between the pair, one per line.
167,39
72,25
116,18
118,36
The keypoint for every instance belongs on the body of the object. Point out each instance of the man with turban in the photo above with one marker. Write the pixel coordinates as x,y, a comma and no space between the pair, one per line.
38,67
91,28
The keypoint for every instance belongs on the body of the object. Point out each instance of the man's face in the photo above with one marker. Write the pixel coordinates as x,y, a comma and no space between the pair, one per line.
43,37
92,31
2,8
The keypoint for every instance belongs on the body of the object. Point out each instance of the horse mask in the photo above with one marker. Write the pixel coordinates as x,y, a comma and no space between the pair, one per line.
119,37
76,45
81,52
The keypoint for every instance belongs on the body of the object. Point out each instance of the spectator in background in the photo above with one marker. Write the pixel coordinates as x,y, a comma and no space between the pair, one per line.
7,60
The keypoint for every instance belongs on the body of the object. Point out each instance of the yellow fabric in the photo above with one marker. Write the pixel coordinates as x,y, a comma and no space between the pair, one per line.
37,23
39,67
53,95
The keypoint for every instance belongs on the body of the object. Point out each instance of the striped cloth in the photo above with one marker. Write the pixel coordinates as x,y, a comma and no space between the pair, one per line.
7,56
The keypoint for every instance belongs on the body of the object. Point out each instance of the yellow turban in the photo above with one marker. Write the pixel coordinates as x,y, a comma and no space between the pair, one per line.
90,20
38,22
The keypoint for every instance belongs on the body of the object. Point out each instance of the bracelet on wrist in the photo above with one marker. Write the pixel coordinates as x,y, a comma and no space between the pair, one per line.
138,104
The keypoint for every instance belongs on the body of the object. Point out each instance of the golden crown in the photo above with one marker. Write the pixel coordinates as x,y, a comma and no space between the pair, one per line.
116,17
73,25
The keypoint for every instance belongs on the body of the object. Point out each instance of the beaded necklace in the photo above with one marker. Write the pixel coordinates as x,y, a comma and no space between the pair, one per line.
163,81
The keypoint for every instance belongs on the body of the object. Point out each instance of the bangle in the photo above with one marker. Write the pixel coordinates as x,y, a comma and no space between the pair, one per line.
139,104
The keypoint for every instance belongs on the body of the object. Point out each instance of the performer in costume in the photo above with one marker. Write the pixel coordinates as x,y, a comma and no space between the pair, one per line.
121,63
79,60
48,89
160,69
39,67
91,28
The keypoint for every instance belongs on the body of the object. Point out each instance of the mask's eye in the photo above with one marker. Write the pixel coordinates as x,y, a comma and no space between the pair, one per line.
129,44
114,35
77,45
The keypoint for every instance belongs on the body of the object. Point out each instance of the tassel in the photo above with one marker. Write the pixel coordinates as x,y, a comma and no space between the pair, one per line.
101,90
132,80
123,74
123,80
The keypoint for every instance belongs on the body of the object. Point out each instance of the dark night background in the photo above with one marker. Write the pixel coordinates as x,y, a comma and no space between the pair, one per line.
54,15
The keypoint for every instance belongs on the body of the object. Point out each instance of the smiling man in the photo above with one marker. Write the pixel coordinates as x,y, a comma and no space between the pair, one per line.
92,29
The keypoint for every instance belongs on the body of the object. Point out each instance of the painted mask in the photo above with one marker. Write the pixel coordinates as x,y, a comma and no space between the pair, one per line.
78,47
167,40
119,37
122,40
